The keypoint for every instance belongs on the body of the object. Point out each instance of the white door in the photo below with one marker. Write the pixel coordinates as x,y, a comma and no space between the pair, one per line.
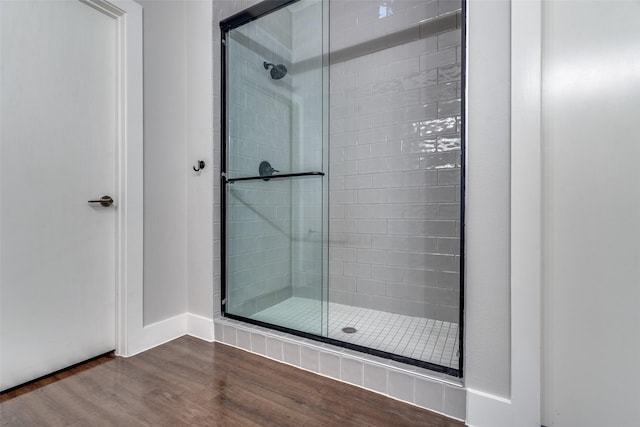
58,142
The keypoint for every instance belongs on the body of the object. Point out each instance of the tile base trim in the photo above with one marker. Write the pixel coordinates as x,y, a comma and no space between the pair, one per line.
417,386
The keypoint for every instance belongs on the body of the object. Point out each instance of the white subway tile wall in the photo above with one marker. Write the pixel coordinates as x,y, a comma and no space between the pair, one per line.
274,228
394,214
259,128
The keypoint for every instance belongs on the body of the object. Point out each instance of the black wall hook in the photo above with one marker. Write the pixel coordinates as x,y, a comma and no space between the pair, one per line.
200,166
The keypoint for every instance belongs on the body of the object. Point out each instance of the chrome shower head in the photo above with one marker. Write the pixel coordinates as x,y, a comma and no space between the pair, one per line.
277,71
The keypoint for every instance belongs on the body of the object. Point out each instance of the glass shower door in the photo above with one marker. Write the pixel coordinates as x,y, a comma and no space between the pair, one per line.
273,176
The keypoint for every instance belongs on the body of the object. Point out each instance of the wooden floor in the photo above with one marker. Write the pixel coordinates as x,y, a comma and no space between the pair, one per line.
192,382
55,377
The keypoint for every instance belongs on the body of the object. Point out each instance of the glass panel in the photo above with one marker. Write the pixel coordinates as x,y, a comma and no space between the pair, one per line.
275,250
274,95
396,145
395,142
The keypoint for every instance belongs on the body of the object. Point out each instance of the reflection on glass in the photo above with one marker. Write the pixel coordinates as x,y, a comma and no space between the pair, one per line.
274,229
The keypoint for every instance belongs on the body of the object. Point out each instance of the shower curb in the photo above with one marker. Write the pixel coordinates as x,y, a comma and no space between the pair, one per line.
417,386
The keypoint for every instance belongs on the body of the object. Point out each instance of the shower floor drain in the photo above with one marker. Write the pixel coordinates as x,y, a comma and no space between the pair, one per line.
349,330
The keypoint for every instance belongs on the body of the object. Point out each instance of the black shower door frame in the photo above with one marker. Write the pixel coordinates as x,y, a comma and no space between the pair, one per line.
255,12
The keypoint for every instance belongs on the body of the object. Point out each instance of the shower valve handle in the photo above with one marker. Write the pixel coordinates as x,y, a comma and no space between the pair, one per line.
265,169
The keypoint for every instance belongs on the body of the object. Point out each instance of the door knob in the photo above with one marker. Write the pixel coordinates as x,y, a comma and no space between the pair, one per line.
105,201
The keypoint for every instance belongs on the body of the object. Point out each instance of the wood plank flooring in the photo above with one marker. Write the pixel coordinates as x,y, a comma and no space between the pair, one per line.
52,378
191,382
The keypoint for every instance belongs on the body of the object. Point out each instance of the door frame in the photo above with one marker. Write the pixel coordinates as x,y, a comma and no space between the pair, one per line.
522,404
129,173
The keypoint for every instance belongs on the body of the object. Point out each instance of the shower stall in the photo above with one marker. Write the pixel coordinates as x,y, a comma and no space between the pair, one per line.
342,174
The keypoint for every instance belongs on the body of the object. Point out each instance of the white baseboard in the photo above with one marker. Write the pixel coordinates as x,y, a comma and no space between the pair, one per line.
488,410
169,329
200,327
159,333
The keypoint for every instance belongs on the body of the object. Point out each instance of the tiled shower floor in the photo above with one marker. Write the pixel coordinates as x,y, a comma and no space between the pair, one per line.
428,340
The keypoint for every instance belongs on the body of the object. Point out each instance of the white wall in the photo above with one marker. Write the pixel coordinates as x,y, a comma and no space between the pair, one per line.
591,196
487,282
165,163
178,131
590,343
200,142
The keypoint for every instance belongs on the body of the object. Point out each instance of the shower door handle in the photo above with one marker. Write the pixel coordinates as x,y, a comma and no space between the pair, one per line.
105,201
268,177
